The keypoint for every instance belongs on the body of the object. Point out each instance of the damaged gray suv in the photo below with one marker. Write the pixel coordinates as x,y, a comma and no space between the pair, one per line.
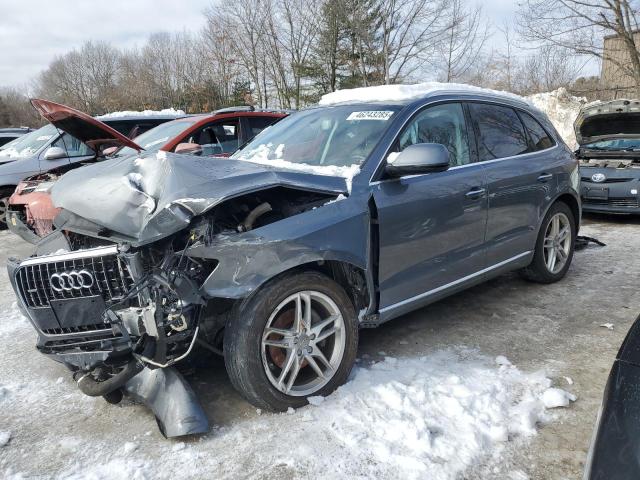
339,217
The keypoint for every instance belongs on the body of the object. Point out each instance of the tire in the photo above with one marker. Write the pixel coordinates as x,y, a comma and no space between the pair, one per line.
5,193
256,356
541,270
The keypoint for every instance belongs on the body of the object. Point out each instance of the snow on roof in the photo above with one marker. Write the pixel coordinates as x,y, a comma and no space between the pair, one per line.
397,93
144,113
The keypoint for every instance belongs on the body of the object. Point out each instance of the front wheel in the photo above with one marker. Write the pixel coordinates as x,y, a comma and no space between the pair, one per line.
295,338
554,246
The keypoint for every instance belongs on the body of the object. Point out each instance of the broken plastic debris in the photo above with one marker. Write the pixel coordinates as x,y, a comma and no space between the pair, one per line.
608,326
4,438
556,397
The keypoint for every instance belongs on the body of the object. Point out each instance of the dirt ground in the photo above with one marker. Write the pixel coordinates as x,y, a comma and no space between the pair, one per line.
556,328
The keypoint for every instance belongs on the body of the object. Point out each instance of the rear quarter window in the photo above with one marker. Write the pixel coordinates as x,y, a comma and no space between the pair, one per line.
540,139
500,132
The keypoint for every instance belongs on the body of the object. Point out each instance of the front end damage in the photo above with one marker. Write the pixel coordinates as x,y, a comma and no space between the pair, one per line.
115,317
121,303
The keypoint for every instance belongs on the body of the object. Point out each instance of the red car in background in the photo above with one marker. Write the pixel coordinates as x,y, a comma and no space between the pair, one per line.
31,212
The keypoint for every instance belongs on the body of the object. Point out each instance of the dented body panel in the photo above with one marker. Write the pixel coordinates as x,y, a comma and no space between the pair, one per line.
149,198
336,232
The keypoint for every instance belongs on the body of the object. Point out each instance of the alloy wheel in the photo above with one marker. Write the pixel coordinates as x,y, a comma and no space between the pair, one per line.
303,343
557,242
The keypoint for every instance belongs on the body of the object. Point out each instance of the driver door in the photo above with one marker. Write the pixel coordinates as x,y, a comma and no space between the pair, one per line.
431,226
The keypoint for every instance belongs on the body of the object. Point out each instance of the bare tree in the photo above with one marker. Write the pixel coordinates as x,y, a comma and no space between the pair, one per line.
579,26
466,36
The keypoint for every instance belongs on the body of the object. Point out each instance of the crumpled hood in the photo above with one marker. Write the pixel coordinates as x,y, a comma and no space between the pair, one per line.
150,197
607,121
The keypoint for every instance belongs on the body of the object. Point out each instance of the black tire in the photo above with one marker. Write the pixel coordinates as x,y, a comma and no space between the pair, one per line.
538,271
244,333
5,193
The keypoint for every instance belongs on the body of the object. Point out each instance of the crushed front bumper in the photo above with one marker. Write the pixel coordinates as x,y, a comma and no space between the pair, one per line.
70,324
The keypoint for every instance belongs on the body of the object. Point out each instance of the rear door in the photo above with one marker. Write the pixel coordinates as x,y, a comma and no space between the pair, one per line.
521,177
431,226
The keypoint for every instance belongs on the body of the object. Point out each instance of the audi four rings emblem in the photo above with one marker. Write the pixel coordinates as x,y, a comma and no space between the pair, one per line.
73,280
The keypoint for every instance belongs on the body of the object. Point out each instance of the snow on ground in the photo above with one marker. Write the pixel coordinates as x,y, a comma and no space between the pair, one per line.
428,416
143,113
562,109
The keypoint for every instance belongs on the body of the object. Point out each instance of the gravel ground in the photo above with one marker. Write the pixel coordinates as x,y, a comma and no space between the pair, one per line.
554,328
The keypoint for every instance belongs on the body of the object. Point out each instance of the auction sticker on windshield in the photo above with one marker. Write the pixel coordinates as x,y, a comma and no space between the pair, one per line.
371,115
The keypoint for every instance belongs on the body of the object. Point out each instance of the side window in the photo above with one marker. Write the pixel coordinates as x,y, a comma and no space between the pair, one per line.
444,124
73,146
216,138
539,137
500,132
257,124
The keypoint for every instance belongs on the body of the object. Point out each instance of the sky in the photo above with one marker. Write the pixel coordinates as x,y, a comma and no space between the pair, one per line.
33,32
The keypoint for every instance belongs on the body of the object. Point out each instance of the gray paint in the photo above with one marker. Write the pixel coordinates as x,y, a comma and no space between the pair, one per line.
435,229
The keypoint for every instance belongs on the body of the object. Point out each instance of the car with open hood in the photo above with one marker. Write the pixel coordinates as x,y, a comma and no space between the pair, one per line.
60,146
341,216
608,135
30,211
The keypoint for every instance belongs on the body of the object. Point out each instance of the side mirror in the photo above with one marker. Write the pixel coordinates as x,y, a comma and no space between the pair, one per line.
188,148
110,151
418,158
54,153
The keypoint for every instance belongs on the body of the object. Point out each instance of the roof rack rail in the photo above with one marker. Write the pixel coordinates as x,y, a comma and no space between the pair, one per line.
239,108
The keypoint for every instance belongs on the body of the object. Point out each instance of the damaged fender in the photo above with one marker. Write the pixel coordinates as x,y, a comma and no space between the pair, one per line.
338,231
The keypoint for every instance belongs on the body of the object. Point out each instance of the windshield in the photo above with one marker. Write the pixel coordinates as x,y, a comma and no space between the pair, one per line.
156,138
340,136
630,144
29,144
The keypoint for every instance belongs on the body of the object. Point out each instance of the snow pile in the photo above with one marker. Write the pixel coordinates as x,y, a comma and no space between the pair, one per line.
143,113
399,93
429,417
562,109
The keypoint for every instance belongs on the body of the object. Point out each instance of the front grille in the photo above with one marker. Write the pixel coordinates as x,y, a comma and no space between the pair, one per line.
608,180
612,202
112,279
78,329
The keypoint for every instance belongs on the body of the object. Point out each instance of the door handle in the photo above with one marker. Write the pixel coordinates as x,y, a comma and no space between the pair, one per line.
475,192
545,177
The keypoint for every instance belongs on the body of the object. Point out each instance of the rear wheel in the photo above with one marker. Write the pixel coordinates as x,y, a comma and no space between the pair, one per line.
5,193
554,246
296,337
